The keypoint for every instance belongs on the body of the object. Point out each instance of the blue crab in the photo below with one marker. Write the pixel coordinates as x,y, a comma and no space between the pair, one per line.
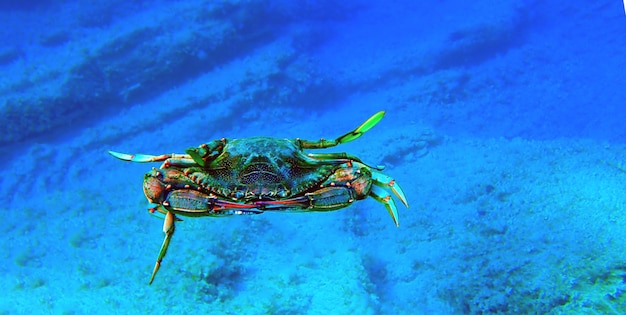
253,175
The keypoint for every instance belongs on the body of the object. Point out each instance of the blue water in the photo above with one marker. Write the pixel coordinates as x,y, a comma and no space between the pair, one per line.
504,126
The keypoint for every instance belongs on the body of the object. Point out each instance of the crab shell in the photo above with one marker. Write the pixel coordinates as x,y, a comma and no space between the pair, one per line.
293,182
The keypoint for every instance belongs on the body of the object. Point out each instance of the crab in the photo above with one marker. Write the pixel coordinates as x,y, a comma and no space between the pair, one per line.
253,175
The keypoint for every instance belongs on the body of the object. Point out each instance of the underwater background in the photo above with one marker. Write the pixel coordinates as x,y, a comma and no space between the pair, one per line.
505,127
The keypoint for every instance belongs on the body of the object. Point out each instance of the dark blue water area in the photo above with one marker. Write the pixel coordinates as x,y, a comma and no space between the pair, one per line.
557,72
553,71
485,104
24,5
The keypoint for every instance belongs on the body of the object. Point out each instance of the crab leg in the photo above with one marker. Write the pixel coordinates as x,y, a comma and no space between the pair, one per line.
302,202
350,136
381,195
168,229
333,158
338,158
212,207
160,212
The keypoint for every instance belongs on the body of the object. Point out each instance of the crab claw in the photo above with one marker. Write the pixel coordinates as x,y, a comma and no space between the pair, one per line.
386,181
383,183
122,156
382,196
139,157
